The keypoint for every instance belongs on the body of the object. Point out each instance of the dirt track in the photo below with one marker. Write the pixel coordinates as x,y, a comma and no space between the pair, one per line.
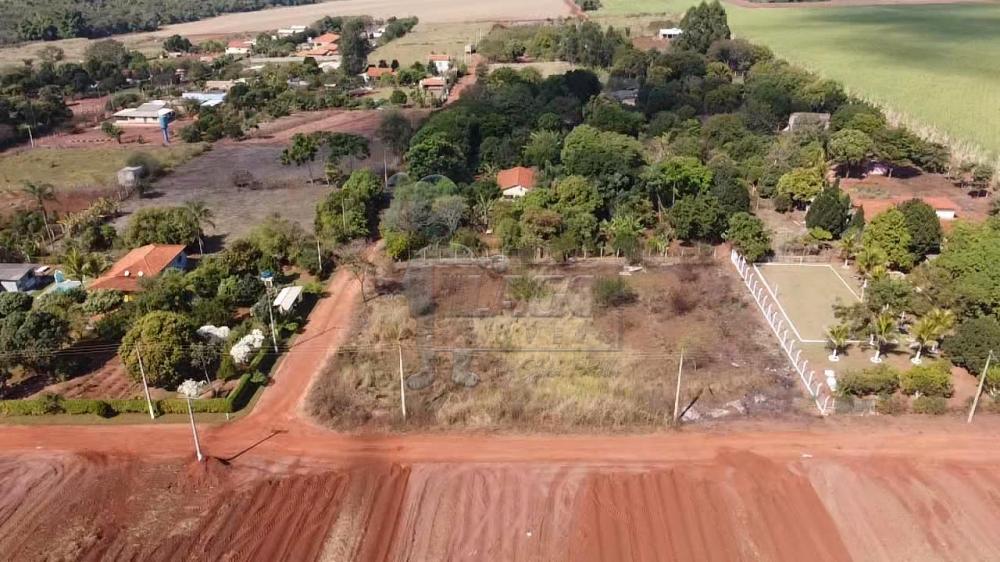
288,490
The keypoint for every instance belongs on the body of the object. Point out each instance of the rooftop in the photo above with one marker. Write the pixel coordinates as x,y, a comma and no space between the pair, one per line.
326,38
15,271
436,58
432,82
517,176
145,261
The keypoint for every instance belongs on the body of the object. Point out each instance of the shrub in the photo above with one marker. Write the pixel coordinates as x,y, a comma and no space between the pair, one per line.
613,291
782,203
891,405
972,342
103,301
13,302
875,380
524,288
933,405
933,379
150,164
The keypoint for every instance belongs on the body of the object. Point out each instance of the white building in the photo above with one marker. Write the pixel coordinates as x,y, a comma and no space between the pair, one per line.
669,32
441,62
146,114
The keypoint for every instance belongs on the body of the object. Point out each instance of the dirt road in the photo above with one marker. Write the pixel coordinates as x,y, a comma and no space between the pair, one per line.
280,488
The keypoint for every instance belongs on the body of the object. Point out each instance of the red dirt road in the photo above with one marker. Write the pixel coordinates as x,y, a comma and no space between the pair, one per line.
855,489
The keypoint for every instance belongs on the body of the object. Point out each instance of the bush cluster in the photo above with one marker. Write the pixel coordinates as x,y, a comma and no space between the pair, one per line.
55,404
933,379
933,405
882,380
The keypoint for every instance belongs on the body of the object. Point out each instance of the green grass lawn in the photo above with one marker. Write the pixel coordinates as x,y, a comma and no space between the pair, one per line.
933,66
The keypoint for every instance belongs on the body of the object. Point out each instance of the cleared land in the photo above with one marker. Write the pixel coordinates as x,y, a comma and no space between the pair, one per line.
807,293
425,38
476,353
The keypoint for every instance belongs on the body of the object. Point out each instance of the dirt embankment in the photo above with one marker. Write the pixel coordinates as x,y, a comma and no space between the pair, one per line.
736,506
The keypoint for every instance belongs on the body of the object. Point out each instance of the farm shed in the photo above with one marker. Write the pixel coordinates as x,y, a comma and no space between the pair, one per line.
516,182
146,114
287,298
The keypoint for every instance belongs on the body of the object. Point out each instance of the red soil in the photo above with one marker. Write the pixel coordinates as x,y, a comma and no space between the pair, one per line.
863,489
837,3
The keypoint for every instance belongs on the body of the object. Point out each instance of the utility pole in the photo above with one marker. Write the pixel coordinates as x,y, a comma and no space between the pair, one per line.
190,389
677,391
979,391
319,257
402,385
145,385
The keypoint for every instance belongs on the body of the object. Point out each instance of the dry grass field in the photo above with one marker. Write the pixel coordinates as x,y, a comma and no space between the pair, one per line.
488,348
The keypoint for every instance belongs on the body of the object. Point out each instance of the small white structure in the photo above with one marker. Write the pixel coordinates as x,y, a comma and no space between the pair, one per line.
669,32
287,298
239,47
441,62
146,114
205,99
291,30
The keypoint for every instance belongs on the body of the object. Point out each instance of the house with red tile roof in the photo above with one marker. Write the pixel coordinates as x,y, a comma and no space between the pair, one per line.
434,86
441,62
145,262
374,73
516,182
945,208
325,40
239,47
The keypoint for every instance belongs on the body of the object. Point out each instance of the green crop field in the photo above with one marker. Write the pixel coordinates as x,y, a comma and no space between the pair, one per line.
931,66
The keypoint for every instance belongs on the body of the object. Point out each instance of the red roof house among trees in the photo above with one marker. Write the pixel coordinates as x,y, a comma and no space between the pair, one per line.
517,181
141,263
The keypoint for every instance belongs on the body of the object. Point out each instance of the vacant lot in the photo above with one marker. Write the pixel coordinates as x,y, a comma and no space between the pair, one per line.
280,189
533,348
448,38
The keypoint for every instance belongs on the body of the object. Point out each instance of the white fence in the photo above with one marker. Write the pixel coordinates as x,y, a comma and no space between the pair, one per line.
818,391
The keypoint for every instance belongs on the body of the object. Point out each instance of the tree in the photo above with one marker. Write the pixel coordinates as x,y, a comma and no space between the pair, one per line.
360,267
11,302
31,338
748,234
925,331
590,152
40,193
395,131
884,330
829,211
836,339
177,44
353,46
343,145
972,342
79,265
870,259
302,151
923,225
850,148
703,25
622,233
347,213
543,148
677,176
697,218
162,339
112,131
201,216
435,154
397,97
161,225
206,356
888,232
801,185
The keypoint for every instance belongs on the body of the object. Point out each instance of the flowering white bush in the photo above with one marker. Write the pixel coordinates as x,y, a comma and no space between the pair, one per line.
243,349
213,333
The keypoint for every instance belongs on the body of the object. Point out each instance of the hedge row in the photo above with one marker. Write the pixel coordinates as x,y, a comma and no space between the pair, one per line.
235,401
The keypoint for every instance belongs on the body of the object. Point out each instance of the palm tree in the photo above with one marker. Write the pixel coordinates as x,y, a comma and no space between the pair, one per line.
41,192
883,331
870,259
944,321
923,331
80,265
848,247
836,338
202,216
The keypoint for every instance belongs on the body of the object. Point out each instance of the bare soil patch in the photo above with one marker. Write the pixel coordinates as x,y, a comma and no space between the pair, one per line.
476,354
839,3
